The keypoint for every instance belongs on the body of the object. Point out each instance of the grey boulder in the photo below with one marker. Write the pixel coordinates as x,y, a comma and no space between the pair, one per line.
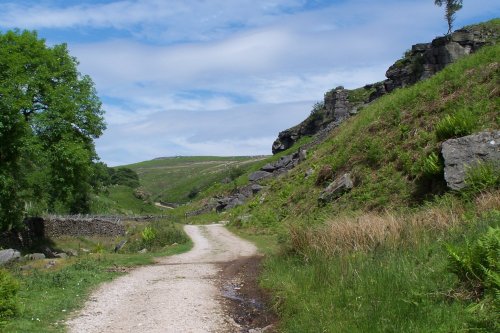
336,188
9,255
466,152
259,175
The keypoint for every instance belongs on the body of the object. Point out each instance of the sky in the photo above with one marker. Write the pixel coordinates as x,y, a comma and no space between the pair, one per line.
224,77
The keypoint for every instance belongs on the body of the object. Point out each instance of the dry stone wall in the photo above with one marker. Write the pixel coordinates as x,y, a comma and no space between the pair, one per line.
82,226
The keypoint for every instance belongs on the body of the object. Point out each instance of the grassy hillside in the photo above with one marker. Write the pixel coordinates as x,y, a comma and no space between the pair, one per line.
120,199
386,146
399,252
174,179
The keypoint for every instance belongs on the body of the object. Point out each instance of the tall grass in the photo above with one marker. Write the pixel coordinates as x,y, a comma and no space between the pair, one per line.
386,272
369,231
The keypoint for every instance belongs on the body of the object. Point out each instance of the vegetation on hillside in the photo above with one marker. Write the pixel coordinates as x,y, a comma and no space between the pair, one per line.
399,252
182,179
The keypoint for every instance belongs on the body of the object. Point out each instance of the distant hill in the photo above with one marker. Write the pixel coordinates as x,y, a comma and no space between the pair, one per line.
179,179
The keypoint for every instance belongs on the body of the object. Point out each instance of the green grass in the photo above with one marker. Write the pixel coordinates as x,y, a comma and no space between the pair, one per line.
48,295
405,289
120,199
268,244
172,179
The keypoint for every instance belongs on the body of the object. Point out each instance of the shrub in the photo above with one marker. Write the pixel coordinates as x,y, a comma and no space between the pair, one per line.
477,265
432,165
158,235
459,124
193,192
148,235
8,296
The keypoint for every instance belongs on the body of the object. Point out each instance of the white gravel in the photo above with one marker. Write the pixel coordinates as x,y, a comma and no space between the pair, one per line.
178,294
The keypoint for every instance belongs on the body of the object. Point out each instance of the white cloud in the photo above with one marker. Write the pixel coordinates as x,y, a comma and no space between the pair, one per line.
224,77
245,130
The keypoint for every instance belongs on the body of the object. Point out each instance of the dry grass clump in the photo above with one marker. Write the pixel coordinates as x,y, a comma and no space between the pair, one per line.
368,231
488,200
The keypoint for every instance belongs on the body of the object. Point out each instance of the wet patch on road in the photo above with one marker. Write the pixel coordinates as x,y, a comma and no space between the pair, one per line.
245,302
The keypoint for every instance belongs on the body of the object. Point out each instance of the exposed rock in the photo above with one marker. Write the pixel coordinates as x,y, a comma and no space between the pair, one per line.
336,188
35,256
61,255
309,172
256,188
50,264
119,246
143,251
9,255
336,108
466,152
71,252
48,252
302,155
259,175
426,59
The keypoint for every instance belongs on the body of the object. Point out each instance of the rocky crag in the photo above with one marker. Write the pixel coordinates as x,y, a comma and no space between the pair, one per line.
419,63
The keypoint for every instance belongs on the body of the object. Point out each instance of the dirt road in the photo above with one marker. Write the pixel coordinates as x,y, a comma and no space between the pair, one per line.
179,294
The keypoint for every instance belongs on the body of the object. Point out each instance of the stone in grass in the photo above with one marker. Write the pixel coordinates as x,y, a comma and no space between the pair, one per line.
119,246
35,256
143,251
466,152
336,188
9,255
259,175
71,252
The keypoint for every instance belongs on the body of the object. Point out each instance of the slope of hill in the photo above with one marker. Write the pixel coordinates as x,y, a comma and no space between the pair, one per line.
179,179
399,251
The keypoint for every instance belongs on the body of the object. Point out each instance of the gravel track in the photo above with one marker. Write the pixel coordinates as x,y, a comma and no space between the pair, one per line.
178,294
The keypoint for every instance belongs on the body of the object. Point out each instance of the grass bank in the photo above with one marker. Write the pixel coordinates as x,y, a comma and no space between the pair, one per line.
350,279
49,289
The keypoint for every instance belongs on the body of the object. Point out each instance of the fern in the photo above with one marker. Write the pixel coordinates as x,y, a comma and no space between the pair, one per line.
477,265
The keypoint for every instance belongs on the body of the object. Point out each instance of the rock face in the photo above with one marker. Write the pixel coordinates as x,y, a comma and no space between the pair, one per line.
9,255
421,62
35,256
336,188
259,175
426,59
465,152
336,108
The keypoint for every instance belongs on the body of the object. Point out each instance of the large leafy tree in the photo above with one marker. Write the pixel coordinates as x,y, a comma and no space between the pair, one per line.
452,6
49,116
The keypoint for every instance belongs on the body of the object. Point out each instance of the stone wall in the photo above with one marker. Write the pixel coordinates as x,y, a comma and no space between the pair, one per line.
77,226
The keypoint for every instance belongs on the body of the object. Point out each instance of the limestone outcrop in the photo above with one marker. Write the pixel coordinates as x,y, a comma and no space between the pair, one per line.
420,62
335,108
466,152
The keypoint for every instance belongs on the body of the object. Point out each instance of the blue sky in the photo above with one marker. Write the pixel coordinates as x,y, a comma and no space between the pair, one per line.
221,77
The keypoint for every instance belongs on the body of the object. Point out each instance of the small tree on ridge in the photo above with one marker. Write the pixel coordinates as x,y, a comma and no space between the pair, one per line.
452,6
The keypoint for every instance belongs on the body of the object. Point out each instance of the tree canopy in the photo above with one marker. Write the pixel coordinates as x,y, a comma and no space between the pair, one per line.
452,6
49,116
